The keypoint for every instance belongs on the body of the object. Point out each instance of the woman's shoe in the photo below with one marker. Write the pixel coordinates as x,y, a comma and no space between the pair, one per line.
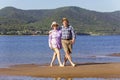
61,65
51,65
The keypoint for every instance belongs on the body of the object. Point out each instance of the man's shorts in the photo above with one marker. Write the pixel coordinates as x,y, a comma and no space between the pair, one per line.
67,46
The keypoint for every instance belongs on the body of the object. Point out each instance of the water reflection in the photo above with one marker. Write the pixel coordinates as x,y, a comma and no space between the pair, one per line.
62,78
86,78
34,78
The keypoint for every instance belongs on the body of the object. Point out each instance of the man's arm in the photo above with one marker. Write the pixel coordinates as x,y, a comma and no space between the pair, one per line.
73,35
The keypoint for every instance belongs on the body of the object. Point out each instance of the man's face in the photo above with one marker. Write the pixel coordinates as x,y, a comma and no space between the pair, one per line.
65,23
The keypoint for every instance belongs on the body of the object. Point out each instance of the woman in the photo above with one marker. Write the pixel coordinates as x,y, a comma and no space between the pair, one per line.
55,43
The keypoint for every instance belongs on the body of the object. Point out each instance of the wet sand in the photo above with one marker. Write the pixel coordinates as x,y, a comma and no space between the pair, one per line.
97,70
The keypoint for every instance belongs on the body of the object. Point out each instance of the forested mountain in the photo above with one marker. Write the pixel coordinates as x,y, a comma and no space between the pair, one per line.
15,21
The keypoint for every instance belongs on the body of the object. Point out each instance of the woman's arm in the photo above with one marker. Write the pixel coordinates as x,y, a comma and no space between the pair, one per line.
49,40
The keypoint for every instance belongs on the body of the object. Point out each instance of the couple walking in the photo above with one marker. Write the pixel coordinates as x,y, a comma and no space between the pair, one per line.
63,37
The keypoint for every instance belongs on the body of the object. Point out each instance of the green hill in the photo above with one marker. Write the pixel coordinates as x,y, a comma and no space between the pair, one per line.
26,22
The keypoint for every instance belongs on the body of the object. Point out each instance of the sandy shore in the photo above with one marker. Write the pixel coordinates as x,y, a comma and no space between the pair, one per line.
104,70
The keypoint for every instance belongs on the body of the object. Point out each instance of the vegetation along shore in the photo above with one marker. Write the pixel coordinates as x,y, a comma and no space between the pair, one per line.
15,21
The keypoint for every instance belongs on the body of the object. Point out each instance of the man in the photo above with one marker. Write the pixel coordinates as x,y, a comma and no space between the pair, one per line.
68,39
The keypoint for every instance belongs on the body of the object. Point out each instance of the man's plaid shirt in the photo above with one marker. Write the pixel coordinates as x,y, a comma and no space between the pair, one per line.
68,32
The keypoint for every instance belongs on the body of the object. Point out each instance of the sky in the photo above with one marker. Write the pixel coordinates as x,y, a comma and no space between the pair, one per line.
96,5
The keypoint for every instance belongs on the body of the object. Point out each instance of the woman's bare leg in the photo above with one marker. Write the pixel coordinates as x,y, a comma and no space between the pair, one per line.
58,56
53,59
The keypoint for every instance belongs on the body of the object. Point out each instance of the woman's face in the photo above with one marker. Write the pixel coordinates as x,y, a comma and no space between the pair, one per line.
55,27
65,23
